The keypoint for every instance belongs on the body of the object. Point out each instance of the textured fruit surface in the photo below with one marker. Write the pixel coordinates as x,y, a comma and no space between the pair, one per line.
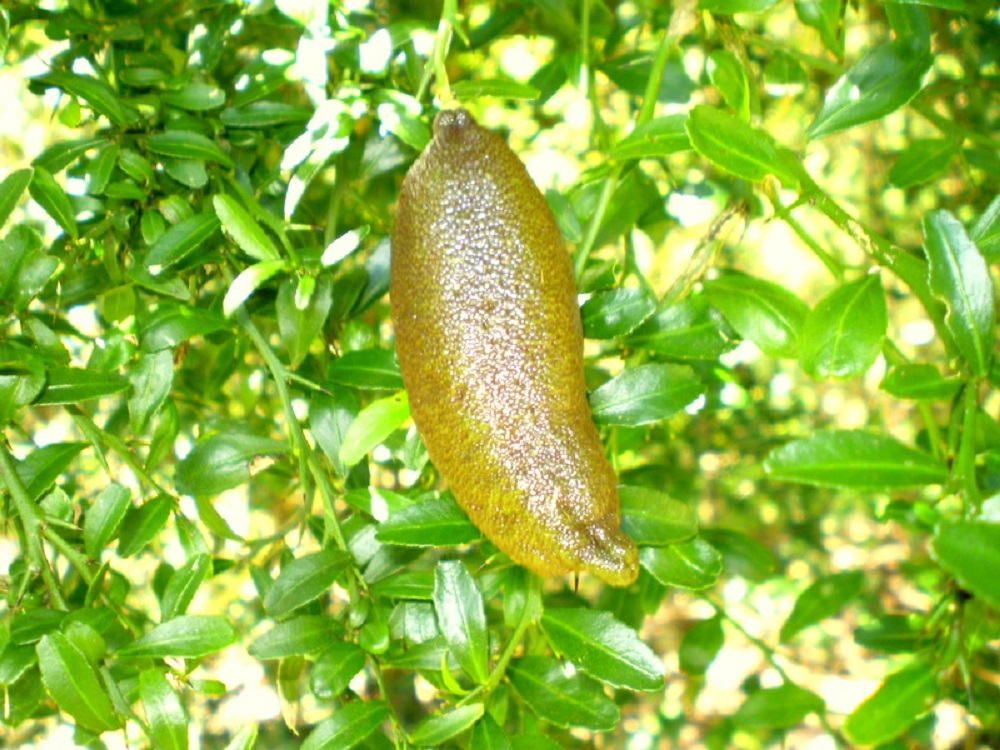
490,345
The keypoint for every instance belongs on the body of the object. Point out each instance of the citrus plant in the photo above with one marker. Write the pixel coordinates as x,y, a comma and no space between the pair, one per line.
220,528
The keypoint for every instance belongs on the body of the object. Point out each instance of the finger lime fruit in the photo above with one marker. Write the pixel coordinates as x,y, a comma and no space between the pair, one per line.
490,347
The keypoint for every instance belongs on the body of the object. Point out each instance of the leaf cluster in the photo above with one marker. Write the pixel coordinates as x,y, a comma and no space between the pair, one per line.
205,441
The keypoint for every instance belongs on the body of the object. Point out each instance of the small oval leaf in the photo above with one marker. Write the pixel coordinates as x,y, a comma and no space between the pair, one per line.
854,459
188,637
645,394
604,648
303,580
844,334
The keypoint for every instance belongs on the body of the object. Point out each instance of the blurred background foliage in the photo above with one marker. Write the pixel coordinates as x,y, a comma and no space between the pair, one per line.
219,528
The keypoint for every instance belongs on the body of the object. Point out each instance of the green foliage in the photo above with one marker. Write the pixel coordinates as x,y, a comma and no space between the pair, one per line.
206,451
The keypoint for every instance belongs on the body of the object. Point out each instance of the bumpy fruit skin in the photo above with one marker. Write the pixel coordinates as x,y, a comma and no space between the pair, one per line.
490,346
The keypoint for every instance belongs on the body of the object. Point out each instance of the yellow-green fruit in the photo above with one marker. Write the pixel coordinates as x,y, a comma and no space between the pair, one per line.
490,346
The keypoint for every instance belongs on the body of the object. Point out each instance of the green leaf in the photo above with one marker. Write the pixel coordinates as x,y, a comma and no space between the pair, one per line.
136,166
73,684
104,517
185,637
660,137
330,416
920,382
576,701
183,144
435,730
244,231
98,95
300,321
142,76
180,241
922,161
70,385
688,330
168,721
654,518
911,24
784,75
171,325
335,668
143,524
188,172
373,369
488,735
265,114
30,626
249,281
727,74
700,646
645,394
373,425
414,584
183,585
893,707
759,310
43,466
960,6
303,635
960,278
694,564
823,598
427,655
195,97
15,661
348,727
882,81
735,146
534,742
151,379
24,268
777,708
970,550
51,197
986,232
893,634
742,555
304,580
222,462
11,190
430,523
854,459
615,312
844,334
824,16
244,739
729,7
503,88
20,384
461,617
604,648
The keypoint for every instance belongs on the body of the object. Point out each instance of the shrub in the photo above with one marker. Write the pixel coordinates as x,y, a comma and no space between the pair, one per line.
783,217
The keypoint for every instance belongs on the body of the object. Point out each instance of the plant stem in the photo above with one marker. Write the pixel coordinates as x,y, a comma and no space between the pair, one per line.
768,654
785,214
436,68
31,524
529,615
298,438
682,20
590,239
910,269
965,465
